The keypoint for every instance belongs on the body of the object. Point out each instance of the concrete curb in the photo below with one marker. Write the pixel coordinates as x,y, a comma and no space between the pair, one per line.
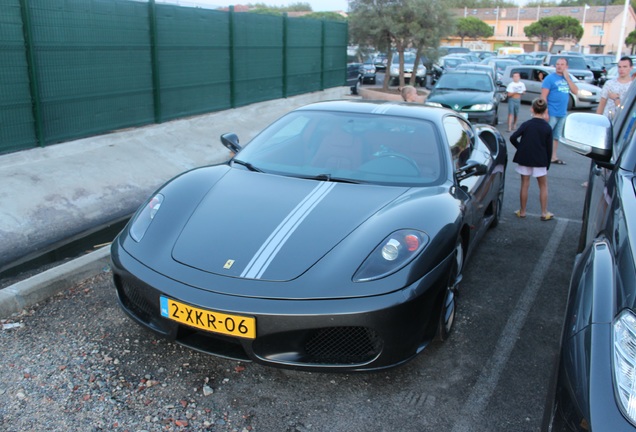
40,287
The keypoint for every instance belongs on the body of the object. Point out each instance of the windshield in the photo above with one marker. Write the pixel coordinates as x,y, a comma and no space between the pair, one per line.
457,81
453,62
409,58
339,146
574,62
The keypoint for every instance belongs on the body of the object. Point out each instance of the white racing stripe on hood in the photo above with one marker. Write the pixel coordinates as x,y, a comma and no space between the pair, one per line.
267,252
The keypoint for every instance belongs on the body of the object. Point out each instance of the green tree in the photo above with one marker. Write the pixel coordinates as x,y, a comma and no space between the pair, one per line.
399,24
473,28
330,16
262,8
551,29
630,40
293,7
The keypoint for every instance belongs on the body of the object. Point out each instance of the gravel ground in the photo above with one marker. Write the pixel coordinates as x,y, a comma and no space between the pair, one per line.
96,378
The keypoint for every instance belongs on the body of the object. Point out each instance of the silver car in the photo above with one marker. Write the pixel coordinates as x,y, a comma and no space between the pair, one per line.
409,69
588,95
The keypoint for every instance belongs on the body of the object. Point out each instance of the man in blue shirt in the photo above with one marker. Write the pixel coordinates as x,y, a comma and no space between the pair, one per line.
556,90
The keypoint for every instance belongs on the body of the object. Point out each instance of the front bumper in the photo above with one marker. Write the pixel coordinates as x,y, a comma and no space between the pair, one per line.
365,333
487,117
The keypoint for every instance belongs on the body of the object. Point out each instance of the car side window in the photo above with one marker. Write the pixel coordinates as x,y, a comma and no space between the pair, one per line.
459,135
523,73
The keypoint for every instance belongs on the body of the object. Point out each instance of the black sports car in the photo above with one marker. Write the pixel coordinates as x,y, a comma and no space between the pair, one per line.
335,240
595,384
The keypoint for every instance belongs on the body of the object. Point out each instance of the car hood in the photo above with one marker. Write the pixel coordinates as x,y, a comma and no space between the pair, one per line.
458,100
590,87
268,227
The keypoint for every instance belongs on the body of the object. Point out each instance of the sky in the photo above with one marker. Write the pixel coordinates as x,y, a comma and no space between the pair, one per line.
316,5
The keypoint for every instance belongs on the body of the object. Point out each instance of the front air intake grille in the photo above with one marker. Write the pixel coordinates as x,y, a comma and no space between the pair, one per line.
343,345
132,298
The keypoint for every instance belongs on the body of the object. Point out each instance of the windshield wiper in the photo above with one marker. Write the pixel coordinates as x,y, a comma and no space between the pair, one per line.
330,178
248,165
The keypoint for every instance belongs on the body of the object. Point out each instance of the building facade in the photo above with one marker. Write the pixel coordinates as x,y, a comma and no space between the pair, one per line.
601,24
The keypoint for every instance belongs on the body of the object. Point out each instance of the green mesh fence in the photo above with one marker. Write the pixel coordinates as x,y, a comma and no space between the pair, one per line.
194,61
258,58
76,68
93,66
335,54
17,128
303,56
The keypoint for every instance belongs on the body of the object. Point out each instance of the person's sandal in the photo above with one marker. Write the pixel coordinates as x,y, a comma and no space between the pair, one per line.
547,217
518,213
558,162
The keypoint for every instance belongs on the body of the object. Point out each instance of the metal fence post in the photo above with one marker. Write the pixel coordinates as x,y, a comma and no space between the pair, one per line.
285,51
322,54
154,61
231,43
32,71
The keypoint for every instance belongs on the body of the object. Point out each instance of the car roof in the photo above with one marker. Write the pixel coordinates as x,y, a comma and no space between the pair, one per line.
466,72
404,109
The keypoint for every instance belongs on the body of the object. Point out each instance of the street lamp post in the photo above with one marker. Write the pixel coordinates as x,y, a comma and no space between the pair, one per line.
600,41
621,38
583,25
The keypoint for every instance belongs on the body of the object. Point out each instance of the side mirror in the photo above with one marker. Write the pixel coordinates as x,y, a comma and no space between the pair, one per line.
588,134
472,168
231,141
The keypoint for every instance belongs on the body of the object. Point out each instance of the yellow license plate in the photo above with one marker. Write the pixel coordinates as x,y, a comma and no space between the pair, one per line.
217,322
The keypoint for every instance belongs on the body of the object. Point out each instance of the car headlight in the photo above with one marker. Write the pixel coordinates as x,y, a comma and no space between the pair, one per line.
433,104
481,107
144,217
586,93
395,252
624,339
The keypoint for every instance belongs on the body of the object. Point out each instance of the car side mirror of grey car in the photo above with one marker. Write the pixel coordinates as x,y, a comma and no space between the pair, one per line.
231,141
472,168
588,134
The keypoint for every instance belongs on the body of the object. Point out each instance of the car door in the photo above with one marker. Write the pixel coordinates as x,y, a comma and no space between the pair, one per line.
533,85
461,138
602,182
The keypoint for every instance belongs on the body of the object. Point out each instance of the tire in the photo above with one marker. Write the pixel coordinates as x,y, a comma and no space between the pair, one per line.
571,103
498,204
495,121
449,297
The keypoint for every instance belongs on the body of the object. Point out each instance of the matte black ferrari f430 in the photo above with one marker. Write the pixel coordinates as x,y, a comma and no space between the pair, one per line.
335,240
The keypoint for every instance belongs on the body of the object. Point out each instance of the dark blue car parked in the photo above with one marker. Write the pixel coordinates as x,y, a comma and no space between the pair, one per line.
595,386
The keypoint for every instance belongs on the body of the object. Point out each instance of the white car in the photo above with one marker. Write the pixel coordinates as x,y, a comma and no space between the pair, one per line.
588,95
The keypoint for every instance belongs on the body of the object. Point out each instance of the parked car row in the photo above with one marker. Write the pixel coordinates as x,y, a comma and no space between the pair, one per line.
532,76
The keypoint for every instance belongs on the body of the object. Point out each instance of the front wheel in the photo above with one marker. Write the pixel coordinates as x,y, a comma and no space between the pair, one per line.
449,301
498,205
